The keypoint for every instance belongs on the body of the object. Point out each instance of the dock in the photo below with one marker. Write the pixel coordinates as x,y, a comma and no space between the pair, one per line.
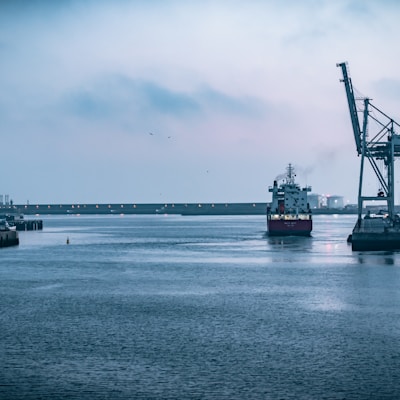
375,234
8,238
29,225
18,221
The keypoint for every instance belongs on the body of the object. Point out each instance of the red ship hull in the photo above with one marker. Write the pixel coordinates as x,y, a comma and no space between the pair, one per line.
295,227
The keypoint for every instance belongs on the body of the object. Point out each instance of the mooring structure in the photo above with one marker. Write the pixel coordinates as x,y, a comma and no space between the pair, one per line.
378,144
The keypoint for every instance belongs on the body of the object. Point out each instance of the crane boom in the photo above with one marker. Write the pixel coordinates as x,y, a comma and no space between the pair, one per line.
352,106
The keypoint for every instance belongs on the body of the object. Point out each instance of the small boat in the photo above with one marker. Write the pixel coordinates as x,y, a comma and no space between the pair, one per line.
5,226
289,212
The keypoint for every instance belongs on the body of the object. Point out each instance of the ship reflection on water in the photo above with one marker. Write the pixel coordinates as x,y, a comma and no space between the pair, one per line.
289,242
380,258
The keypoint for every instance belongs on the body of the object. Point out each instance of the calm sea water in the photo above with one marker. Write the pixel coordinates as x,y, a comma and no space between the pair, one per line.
171,307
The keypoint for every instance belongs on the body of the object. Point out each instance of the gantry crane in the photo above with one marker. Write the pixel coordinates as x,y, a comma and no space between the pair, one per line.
376,140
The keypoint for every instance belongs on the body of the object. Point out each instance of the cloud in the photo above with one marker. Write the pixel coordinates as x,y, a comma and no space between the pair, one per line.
165,101
388,88
246,106
114,96
243,87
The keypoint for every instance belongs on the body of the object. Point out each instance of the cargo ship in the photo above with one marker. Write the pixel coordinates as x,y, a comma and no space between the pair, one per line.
289,212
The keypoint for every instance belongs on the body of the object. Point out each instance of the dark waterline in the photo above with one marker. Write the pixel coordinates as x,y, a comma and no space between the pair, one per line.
171,307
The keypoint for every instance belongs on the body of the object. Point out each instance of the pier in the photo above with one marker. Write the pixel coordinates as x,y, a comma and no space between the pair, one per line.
18,221
8,238
375,234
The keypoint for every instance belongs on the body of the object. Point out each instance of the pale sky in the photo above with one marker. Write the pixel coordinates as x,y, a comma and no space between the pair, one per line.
187,101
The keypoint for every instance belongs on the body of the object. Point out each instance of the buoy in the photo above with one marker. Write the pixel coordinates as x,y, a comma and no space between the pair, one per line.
67,240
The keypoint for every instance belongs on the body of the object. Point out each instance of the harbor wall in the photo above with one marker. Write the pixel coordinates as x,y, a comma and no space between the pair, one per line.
153,208
8,238
28,225
14,218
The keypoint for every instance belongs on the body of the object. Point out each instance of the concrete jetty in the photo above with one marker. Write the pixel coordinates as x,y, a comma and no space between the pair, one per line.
8,238
19,222
375,234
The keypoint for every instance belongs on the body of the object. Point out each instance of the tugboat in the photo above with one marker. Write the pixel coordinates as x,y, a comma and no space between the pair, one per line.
289,212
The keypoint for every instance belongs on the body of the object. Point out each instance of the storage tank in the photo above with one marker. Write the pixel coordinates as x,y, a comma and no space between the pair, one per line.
335,202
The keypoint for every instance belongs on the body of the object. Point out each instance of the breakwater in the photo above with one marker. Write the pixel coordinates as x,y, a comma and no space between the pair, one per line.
8,238
153,208
14,218
28,225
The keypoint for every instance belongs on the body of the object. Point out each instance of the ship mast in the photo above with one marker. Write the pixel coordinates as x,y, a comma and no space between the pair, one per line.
376,141
290,174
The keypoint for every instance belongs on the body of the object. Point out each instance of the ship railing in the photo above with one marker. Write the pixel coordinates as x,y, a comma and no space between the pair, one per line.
289,217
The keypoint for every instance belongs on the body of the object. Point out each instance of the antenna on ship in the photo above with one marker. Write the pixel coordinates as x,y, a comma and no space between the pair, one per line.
290,173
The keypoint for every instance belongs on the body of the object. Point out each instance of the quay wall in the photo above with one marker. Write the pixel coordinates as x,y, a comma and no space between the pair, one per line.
28,225
8,238
152,208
